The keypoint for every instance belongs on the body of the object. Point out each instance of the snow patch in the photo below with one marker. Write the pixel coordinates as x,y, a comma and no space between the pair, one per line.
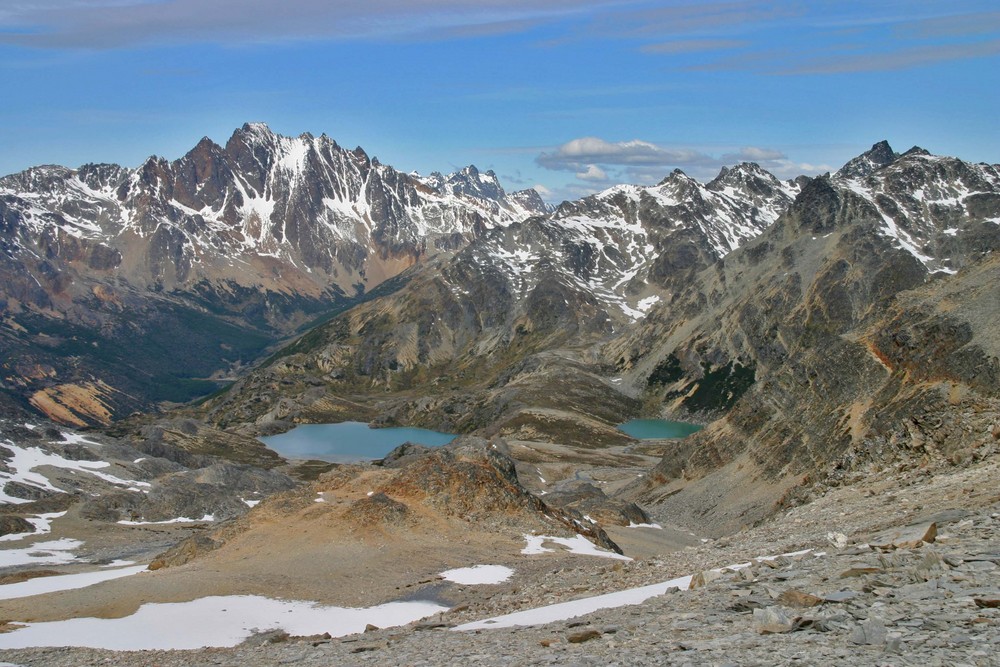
577,545
66,582
564,611
55,552
213,621
42,524
25,460
478,574
180,519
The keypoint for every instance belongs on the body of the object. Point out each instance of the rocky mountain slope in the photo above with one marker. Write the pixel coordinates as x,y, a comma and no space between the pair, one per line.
480,335
852,596
121,287
856,329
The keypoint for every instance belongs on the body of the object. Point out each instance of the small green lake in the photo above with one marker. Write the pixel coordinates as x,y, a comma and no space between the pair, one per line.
349,442
654,429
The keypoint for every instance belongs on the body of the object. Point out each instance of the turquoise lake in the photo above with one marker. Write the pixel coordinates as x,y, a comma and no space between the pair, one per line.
349,442
651,429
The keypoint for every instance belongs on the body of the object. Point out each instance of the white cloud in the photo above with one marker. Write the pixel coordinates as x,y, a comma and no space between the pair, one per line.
580,154
593,173
596,163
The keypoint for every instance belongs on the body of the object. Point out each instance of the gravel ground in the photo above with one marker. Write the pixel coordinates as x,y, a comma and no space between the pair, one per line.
917,603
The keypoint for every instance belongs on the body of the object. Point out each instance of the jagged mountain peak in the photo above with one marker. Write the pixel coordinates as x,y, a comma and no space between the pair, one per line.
675,176
255,129
530,200
917,150
36,177
740,175
925,203
878,156
468,182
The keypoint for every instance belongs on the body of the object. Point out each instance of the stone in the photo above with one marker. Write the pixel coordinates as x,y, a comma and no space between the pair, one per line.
267,637
433,625
704,578
185,551
907,537
772,621
365,648
859,571
871,632
13,525
837,540
840,596
794,598
584,636
987,603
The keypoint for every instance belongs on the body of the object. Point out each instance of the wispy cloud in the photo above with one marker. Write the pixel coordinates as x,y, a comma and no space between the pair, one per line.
700,17
694,45
102,24
816,38
893,60
958,25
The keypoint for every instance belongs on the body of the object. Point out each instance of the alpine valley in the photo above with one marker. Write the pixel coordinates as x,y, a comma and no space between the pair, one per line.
836,336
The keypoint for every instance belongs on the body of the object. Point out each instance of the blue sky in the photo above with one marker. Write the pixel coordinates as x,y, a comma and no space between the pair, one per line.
567,95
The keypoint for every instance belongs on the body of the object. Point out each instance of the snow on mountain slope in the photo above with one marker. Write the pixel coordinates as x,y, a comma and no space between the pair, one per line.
625,245
925,200
323,214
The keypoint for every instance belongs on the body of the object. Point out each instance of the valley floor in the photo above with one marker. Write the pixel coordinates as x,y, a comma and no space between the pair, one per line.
923,604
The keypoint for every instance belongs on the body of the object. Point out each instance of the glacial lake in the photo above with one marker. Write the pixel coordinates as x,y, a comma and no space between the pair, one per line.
349,442
651,429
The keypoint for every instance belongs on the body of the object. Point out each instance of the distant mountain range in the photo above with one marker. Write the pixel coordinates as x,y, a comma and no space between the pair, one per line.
470,309
120,286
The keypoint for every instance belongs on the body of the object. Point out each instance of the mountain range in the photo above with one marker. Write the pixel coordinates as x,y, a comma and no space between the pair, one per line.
817,325
830,324
124,287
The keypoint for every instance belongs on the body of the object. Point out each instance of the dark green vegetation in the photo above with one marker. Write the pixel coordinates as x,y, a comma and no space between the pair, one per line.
165,354
719,389
666,372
